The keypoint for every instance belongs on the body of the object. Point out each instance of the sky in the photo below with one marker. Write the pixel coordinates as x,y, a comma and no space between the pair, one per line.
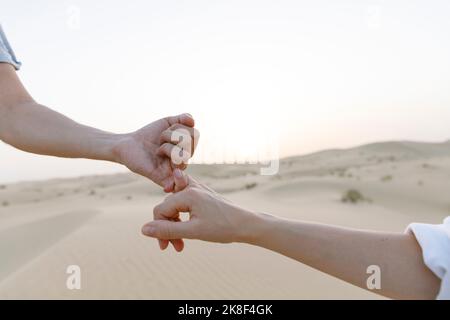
299,75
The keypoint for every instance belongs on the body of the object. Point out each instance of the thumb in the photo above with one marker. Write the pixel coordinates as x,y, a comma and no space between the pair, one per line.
168,230
181,180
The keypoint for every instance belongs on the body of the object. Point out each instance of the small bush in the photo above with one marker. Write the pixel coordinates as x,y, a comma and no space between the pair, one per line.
250,186
5,203
386,178
352,196
342,173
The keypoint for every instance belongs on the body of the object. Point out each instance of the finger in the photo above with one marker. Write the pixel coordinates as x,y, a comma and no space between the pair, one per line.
177,155
163,244
170,136
178,244
168,230
182,166
181,180
184,137
169,150
184,118
171,207
169,185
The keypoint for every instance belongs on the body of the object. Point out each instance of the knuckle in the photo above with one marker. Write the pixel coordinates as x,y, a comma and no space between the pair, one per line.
165,231
190,192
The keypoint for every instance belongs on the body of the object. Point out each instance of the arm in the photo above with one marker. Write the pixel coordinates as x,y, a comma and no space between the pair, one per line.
341,252
347,253
34,128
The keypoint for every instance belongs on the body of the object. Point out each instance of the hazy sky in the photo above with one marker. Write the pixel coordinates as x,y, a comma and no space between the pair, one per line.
308,74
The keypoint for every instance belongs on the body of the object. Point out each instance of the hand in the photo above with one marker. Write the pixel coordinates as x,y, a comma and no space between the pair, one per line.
211,217
150,150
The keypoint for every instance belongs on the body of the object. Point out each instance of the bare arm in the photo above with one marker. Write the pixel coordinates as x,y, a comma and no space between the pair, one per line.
341,252
347,253
34,128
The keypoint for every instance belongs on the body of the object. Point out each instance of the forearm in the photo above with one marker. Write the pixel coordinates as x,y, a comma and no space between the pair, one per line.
346,254
35,128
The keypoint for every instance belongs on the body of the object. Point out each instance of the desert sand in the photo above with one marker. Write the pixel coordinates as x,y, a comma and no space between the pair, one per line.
95,222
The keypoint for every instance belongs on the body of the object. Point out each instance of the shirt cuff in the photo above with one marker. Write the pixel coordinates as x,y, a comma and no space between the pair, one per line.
5,57
435,243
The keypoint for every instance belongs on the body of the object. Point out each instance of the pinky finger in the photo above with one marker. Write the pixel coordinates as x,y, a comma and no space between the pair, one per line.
178,244
163,244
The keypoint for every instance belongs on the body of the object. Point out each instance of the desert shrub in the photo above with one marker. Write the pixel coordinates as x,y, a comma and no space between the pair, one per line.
250,186
2,187
386,178
341,172
5,203
92,193
352,196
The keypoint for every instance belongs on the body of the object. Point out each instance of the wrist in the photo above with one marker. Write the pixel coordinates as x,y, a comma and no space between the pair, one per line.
108,146
254,228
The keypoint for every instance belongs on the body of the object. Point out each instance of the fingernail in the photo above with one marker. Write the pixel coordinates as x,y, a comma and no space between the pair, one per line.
148,230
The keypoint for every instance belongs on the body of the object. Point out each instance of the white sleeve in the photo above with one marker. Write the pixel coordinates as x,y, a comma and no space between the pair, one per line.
435,243
6,52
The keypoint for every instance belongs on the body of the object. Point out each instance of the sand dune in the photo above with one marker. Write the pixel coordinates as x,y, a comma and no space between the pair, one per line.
94,222
20,244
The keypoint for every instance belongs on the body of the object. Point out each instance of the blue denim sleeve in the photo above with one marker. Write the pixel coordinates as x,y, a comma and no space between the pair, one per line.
6,53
